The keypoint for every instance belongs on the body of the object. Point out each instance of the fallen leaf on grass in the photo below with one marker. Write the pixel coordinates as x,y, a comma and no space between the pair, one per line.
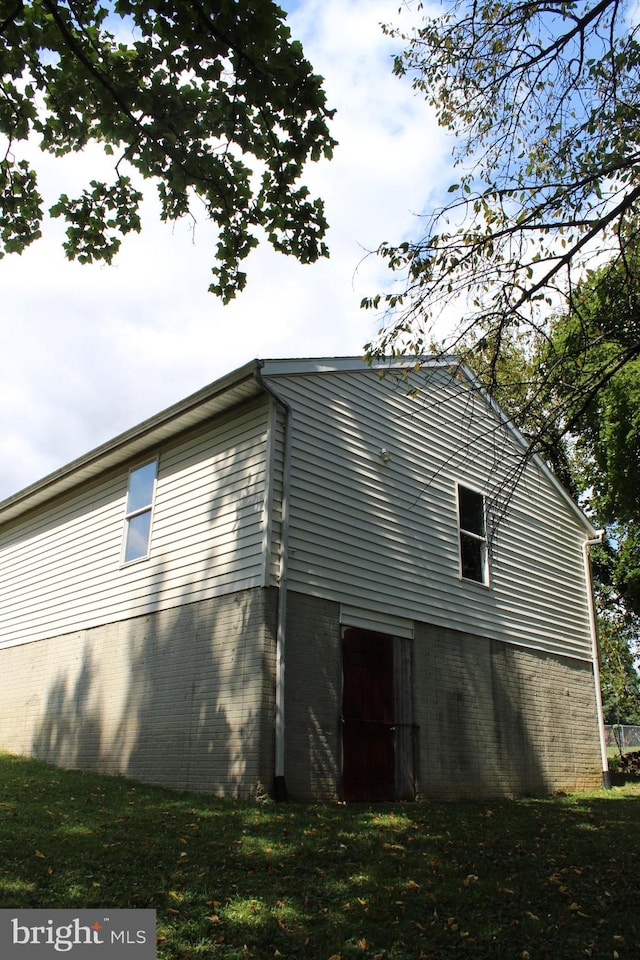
575,908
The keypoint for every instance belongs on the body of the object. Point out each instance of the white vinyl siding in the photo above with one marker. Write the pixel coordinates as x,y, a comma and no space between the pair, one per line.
367,530
60,567
384,533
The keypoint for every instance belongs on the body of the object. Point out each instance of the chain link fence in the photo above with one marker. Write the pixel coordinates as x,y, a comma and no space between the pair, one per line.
622,737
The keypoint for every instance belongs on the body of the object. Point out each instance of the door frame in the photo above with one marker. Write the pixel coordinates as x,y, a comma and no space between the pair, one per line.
401,723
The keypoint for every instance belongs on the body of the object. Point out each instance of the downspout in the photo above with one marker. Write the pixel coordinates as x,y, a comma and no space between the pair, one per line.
593,627
280,790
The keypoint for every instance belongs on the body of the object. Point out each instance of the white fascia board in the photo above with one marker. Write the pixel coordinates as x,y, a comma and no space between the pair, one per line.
234,388
292,367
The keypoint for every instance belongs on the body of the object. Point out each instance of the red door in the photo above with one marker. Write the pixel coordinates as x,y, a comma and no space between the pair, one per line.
368,718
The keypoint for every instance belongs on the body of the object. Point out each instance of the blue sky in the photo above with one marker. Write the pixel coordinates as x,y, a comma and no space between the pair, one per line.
88,351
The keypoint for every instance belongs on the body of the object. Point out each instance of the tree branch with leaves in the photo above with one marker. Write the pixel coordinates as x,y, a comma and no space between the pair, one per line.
543,100
213,101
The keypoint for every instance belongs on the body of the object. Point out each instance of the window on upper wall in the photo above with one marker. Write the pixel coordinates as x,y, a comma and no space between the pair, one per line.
473,535
139,511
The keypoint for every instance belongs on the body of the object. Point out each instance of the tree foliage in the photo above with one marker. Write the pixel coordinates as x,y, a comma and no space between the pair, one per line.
211,100
619,677
588,428
592,396
543,99
537,250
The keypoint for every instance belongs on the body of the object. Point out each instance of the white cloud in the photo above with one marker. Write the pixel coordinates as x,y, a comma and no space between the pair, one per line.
90,351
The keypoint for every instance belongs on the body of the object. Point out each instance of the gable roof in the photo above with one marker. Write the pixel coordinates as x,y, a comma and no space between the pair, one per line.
228,391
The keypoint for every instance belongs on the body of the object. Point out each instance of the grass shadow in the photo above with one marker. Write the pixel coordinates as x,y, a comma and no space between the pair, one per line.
507,879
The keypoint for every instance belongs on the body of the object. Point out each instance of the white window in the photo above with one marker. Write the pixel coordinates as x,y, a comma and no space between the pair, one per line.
140,496
473,535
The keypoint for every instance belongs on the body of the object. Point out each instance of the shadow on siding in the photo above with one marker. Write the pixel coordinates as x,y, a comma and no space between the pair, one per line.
501,721
183,696
174,698
69,733
484,739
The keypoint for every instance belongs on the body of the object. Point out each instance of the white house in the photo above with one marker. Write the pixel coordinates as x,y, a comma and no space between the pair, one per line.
315,577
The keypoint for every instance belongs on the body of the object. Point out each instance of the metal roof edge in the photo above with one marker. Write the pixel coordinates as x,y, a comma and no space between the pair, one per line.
76,470
291,367
173,420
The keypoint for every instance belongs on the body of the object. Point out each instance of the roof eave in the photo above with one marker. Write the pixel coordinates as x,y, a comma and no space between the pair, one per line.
228,391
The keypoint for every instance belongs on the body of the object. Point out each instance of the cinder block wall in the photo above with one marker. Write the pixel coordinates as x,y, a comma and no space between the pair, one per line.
183,697
313,691
498,720
492,719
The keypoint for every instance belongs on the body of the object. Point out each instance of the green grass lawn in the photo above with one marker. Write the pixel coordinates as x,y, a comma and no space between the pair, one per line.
518,880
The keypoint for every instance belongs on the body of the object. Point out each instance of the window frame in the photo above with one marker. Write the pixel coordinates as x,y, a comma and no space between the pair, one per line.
464,533
146,508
